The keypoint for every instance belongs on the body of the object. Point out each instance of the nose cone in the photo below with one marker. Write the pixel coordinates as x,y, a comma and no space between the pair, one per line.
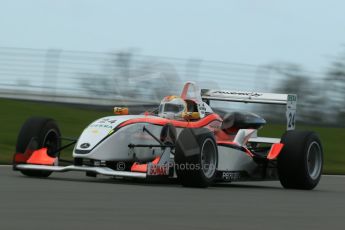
98,131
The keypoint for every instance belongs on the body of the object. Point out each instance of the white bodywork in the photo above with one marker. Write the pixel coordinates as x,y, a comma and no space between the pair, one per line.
230,159
108,144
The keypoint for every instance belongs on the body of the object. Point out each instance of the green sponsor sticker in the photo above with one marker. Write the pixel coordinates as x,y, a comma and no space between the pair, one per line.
292,98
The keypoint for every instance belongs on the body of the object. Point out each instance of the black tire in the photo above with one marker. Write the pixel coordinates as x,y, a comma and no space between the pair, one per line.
36,133
301,161
196,157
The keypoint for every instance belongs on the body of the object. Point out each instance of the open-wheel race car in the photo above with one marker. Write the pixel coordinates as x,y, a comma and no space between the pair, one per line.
182,139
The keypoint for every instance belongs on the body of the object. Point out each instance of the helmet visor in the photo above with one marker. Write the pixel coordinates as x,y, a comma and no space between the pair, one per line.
173,108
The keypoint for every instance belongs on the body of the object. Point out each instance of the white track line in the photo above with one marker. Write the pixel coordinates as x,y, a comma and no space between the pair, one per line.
334,176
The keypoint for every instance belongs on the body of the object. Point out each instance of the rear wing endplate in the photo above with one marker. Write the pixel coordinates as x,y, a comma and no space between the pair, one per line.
290,100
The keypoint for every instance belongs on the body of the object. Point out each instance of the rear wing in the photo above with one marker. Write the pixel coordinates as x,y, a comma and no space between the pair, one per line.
290,100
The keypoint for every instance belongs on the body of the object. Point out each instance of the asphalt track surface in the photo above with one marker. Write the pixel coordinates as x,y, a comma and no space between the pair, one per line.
73,201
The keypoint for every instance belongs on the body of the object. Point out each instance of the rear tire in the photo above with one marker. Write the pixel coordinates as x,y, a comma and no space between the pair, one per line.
196,157
39,132
301,161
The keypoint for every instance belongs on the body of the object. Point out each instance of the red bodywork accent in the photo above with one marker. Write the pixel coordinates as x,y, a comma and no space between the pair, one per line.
182,124
223,136
185,90
230,143
22,157
137,167
38,157
275,151
226,143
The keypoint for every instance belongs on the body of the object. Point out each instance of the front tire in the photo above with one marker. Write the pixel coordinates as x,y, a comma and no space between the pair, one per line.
300,163
36,133
196,157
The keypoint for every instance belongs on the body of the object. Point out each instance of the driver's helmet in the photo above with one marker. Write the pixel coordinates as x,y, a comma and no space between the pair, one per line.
172,107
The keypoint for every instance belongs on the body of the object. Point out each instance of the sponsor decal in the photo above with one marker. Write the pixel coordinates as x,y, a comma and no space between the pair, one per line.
291,111
101,126
233,93
231,176
158,170
292,97
106,120
202,109
104,123
85,145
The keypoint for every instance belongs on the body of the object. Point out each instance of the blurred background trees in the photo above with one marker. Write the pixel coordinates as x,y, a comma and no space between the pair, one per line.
128,75
335,85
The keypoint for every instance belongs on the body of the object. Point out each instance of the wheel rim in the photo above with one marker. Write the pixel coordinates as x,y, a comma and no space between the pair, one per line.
314,160
208,158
